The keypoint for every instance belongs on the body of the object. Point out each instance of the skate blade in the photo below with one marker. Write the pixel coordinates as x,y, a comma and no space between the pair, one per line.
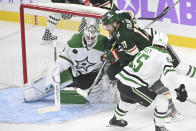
174,119
113,126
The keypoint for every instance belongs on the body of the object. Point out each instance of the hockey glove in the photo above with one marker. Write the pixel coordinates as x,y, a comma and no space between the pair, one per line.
181,93
111,56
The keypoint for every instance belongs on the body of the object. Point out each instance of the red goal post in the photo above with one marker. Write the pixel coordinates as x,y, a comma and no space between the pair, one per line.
72,9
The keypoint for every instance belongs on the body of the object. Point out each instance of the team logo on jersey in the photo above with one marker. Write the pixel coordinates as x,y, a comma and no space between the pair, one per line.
75,51
84,64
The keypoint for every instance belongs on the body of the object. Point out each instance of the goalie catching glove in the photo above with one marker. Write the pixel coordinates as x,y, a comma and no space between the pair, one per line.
181,93
111,56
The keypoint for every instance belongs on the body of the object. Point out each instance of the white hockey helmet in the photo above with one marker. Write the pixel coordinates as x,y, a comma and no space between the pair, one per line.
160,39
91,32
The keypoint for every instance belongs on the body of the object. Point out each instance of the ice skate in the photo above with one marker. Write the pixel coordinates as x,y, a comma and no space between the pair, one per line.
158,128
116,122
174,116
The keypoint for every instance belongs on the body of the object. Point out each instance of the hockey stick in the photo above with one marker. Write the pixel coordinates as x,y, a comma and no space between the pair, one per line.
191,101
87,92
161,15
157,17
57,106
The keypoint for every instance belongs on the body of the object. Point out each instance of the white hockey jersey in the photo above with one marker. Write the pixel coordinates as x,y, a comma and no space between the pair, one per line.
81,59
147,67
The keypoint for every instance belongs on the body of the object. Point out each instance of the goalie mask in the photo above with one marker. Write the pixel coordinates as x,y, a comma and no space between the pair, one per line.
91,32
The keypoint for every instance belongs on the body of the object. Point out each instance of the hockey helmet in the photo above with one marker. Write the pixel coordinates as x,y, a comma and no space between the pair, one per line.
160,39
91,32
109,18
98,2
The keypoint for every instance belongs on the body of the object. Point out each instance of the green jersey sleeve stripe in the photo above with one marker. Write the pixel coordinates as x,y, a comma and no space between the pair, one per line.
66,59
193,72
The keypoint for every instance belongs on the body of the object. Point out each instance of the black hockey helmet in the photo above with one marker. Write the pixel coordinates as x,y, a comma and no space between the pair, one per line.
110,17
98,2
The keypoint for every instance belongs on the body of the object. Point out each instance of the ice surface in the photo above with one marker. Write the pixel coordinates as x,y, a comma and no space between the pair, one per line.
18,116
15,110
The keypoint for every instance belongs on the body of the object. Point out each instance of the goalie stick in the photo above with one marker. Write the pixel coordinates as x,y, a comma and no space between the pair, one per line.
167,9
57,105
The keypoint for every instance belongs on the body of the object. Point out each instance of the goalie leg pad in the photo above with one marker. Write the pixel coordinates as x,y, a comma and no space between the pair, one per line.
36,90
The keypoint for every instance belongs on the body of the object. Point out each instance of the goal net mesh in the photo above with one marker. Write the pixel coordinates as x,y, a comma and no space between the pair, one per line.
34,21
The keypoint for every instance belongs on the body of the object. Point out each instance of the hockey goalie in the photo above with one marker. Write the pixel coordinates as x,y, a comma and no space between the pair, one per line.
77,65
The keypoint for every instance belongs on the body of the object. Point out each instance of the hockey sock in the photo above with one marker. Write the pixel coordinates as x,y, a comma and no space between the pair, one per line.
159,117
161,108
121,110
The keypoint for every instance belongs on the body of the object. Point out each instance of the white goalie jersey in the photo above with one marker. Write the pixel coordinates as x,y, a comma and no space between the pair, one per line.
80,58
147,67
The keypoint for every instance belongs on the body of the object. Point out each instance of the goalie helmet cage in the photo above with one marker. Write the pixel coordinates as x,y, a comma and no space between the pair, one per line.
36,15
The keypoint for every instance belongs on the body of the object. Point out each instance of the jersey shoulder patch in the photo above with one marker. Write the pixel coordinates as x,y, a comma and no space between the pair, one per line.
76,41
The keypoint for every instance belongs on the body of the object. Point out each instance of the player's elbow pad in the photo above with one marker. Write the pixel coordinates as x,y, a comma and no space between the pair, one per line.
186,69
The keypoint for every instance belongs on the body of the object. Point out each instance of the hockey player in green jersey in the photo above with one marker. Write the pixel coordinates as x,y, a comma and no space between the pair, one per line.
79,63
135,80
54,18
130,39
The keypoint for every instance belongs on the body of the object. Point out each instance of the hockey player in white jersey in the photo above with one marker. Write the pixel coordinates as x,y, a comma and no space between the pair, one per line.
79,63
138,76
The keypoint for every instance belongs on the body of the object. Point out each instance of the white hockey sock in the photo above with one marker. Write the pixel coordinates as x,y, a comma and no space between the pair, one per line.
161,107
121,110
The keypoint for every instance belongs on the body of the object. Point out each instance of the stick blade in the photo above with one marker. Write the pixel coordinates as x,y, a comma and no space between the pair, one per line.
48,109
83,93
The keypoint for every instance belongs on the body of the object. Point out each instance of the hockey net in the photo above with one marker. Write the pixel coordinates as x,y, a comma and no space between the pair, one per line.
34,19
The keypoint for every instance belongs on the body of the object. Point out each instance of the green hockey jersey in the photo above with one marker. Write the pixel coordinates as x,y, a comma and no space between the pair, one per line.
81,59
129,36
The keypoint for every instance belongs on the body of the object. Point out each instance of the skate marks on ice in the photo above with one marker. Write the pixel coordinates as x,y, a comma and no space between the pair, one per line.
15,110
